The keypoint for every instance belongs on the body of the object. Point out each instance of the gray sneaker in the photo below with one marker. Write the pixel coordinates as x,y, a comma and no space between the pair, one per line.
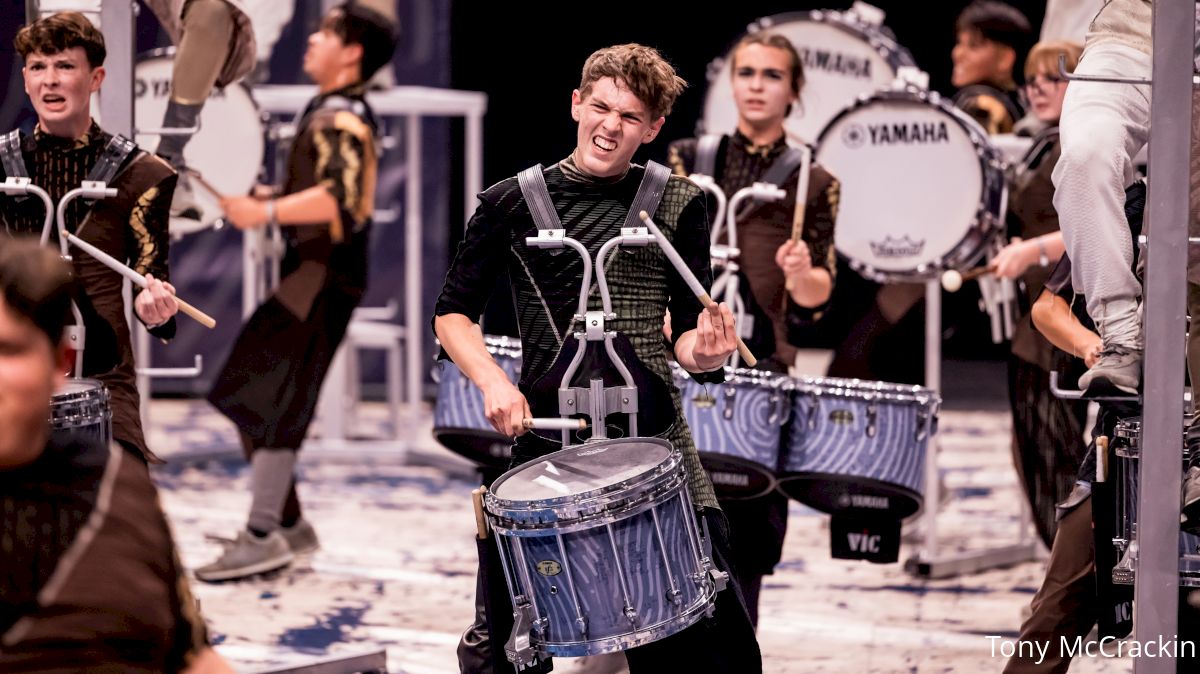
1119,369
248,555
1189,517
301,537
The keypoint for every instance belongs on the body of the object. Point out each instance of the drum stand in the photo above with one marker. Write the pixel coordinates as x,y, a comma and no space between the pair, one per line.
927,563
725,256
22,187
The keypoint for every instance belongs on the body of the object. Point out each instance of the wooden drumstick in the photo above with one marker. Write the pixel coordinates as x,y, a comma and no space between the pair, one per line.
1102,458
692,282
208,187
134,277
801,200
555,424
481,523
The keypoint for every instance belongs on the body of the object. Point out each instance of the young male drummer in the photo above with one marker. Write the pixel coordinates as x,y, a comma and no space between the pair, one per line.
623,97
784,276
64,57
89,573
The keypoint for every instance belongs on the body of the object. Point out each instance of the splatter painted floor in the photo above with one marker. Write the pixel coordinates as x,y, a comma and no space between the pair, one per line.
396,568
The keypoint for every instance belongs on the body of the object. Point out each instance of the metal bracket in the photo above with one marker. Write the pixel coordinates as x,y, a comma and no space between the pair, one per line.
519,648
547,238
1062,71
593,325
1076,394
617,399
636,236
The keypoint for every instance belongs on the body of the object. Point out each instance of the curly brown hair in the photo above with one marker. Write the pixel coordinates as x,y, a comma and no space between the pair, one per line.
643,69
60,32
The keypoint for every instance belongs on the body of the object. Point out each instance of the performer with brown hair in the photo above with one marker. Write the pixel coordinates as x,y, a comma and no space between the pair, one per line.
623,98
270,384
64,56
786,279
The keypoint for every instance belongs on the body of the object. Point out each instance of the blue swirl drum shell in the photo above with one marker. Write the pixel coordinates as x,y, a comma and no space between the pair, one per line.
1125,466
858,447
80,409
603,541
738,427
459,421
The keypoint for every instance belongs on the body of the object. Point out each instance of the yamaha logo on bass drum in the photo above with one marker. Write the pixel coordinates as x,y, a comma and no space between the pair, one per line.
896,133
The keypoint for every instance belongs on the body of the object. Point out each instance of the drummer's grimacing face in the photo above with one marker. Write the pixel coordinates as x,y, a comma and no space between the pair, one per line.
60,86
761,86
613,124
29,376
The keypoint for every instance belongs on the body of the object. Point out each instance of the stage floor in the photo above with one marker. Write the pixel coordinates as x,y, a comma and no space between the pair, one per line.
396,568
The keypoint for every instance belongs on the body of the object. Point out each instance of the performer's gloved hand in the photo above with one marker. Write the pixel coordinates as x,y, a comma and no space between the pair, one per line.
794,259
155,304
505,406
716,337
245,212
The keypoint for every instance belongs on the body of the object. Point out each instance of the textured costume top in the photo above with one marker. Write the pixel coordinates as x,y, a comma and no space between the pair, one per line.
90,577
764,227
131,227
545,286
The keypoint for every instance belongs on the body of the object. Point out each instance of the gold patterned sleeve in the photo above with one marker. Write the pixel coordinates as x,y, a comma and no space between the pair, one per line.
346,165
150,239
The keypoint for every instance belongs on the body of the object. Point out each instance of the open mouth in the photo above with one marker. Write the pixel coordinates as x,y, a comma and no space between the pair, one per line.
604,144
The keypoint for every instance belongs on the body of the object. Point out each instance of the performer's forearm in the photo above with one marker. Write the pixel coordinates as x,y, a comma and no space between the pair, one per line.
463,341
812,288
313,206
1053,318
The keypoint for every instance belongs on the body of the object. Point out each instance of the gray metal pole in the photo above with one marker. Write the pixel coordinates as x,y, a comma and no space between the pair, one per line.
1156,596
116,95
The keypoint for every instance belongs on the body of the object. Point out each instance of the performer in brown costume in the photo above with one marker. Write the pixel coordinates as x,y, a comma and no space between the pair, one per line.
269,386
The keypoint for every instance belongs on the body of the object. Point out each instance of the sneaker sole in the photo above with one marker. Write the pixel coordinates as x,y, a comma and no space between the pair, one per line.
250,570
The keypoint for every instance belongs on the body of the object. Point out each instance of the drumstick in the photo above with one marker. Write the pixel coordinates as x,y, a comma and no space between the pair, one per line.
208,187
555,424
692,282
134,277
481,524
1102,458
801,199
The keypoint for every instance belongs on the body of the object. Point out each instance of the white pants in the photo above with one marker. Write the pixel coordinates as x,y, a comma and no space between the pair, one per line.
1103,127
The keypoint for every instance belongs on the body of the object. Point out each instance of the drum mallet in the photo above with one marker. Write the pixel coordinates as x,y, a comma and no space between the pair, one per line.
801,199
692,281
952,279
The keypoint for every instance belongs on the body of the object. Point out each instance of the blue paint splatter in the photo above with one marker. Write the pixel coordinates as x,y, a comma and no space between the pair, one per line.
267,594
329,629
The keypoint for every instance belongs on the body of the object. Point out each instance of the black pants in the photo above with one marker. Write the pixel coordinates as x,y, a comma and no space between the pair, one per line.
757,528
722,644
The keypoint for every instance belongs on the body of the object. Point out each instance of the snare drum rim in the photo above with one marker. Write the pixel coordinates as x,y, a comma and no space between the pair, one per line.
95,391
598,499
993,198
868,390
535,522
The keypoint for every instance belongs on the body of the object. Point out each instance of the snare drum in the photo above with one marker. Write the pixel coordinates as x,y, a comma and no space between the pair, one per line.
459,421
844,57
601,548
738,428
80,409
228,149
923,190
1124,475
858,447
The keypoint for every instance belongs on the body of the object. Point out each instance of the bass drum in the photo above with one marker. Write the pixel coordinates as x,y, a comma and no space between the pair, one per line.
923,189
228,149
845,56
